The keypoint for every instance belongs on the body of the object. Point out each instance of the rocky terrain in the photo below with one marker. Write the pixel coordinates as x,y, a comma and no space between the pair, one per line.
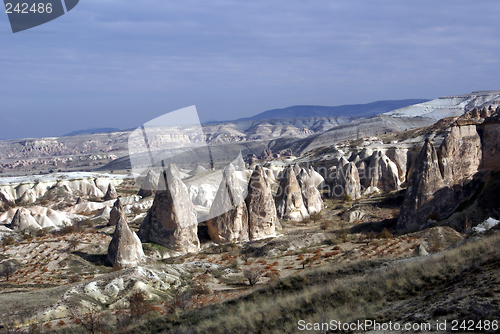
320,228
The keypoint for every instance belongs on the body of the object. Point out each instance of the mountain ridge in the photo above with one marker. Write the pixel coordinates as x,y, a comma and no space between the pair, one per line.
347,110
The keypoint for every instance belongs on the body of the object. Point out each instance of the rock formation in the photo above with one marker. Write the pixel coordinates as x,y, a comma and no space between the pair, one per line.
262,217
441,179
296,169
6,200
171,221
266,154
289,202
79,201
383,173
110,193
20,221
400,157
310,194
420,251
148,186
230,222
116,213
125,249
239,163
36,217
347,182
491,141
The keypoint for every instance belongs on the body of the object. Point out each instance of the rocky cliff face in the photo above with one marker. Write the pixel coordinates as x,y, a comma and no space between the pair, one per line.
171,221
262,217
230,222
491,141
289,201
442,178
125,249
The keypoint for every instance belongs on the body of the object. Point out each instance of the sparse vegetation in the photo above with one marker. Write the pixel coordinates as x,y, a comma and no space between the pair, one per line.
367,294
8,269
253,275
8,241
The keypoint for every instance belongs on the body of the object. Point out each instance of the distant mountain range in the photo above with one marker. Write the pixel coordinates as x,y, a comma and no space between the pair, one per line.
449,106
91,131
348,110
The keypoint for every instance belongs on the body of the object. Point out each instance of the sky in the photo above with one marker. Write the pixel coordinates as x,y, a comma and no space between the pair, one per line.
121,63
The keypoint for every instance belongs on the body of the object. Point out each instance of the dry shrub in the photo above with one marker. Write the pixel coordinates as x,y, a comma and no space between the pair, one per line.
8,241
385,234
253,275
201,289
273,276
324,225
138,305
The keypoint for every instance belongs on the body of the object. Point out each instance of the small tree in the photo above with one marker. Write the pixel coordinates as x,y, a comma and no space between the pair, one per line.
369,237
252,275
8,269
325,225
73,243
306,262
315,217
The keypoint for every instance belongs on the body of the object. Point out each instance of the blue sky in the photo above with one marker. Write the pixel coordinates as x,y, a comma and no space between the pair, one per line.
120,63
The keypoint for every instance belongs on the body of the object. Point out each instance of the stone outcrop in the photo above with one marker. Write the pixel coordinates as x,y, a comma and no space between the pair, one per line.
267,154
400,157
420,251
36,217
289,202
442,178
6,200
311,195
491,141
262,217
20,221
383,173
171,221
110,193
296,169
316,177
239,163
148,186
347,182
230,222
116,213
125,249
